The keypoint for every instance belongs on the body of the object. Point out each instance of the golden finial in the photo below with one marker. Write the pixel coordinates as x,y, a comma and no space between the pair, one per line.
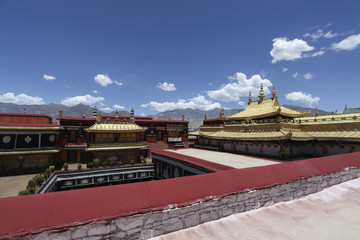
183,117
60,112
222,113
169,117
205,117
24,110
132,118
316,112
250,98
261,95
274,92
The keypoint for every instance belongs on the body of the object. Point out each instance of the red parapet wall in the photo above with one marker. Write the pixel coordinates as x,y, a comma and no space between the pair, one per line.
36,213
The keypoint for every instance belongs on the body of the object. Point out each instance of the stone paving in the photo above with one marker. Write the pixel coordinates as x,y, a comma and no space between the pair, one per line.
11,185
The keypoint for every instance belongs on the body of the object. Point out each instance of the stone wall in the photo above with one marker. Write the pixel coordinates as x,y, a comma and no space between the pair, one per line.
150,224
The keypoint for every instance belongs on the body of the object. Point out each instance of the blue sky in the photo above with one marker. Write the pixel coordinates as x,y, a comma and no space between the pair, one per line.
161,55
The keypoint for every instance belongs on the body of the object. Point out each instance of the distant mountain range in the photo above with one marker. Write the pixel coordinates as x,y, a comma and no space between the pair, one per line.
193,116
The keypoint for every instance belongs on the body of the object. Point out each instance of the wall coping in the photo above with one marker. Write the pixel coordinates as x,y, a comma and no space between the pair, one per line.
33,214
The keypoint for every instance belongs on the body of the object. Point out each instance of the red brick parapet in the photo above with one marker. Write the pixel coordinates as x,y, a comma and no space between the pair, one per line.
120,210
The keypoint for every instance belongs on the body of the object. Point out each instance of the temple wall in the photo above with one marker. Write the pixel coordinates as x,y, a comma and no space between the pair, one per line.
155,223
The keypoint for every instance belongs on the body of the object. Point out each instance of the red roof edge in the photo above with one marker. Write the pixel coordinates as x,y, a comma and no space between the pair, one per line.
25,115
24,215
196,161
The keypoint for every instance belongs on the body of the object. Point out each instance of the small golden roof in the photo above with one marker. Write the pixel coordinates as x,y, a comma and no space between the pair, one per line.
115,127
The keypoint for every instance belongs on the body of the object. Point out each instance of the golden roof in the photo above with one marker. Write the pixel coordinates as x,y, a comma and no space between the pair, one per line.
265,108
115,127
30,152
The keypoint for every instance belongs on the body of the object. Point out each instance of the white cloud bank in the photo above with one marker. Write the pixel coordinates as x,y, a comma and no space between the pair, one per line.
166,86
347,44
49,78
87,100
239,86
304,98
118,107
199,102
22,99
106,109
289,50
104,80
320,33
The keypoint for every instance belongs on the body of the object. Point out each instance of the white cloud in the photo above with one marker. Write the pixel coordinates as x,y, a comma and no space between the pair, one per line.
199,102
95,91
284,49
22,98
239,86
263,74
241,103
319,53
316,35
308,76
118,83
347,44
103,80
118,107
329,34
284,69
87,100
295,75
303,98
142,114
48,77
166,86
320,33
106,109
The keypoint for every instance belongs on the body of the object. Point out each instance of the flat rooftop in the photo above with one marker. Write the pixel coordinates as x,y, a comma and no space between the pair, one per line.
333,213
227,159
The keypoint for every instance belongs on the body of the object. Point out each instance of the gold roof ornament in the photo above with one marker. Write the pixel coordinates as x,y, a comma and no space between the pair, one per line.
116,116
24,110
274,92
95,112
205,117
261,94
222,115
132,118
316,112
60,112
183,117
250,98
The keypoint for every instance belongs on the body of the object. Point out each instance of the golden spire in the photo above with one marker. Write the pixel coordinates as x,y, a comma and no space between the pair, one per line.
116,116
205,117
132,118
261,95
316,112
183,117
24,110
60,112
274,92
250,98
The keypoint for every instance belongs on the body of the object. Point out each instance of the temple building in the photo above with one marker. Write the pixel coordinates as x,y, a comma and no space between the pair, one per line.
77,133
117,140
267,129
28,143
